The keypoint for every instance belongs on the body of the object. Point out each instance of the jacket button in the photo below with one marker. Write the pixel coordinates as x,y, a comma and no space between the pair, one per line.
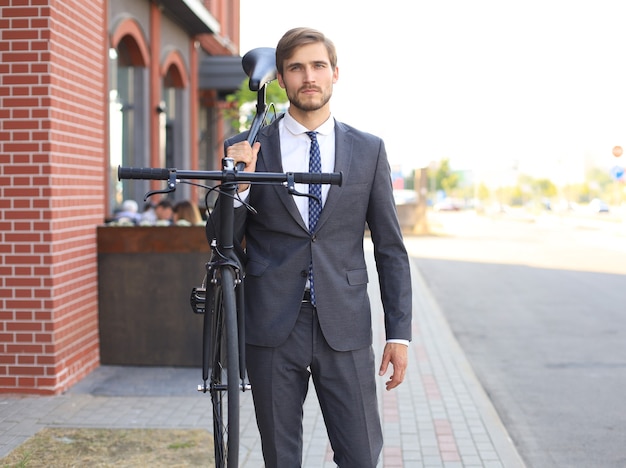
304,273
314,239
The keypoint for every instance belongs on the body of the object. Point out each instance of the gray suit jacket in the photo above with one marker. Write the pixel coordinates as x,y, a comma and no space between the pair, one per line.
279,248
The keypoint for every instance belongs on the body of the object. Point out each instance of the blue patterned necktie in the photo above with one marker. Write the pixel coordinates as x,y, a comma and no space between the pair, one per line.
315,206
315,166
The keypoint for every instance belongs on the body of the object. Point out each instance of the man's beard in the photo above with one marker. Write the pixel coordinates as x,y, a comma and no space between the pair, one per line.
308,106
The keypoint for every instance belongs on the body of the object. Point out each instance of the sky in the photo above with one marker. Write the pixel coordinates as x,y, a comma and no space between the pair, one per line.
495,86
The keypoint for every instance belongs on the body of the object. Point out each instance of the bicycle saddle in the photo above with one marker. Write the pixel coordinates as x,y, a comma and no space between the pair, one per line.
260,66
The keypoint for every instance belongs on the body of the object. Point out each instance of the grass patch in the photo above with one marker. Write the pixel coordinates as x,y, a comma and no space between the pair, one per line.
63,447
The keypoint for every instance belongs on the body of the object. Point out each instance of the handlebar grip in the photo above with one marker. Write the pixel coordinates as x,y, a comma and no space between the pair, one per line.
148,173
334,178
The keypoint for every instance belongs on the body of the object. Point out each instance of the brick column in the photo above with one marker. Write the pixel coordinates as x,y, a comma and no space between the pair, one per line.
53,115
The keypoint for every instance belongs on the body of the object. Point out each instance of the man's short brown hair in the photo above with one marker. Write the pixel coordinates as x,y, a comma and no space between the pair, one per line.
297,37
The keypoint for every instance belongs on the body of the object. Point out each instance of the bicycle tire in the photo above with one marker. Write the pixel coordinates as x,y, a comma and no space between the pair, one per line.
224,378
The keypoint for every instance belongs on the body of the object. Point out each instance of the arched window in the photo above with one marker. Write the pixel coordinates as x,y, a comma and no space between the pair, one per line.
174,127
128,111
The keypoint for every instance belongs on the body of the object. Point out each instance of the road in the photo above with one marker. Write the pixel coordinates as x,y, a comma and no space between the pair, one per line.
539,307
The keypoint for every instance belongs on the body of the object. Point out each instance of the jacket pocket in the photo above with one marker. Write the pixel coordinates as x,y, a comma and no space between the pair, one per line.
356,277
255,267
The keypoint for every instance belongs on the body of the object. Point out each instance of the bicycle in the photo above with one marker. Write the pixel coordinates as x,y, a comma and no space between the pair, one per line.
223,343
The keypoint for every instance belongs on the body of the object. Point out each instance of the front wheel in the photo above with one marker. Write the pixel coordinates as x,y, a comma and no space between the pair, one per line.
224,371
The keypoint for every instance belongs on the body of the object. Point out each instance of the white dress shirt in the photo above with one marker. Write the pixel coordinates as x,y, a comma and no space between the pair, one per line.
295,147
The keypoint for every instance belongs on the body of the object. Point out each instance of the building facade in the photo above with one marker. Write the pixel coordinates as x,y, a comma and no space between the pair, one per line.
86,86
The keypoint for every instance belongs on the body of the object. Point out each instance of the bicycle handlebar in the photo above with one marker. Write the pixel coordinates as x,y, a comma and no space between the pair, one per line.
149,173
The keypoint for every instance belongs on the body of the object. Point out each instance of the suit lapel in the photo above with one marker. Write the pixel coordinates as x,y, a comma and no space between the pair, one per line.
270,160
343,157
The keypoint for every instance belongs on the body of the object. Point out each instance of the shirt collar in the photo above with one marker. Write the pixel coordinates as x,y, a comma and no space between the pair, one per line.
296,128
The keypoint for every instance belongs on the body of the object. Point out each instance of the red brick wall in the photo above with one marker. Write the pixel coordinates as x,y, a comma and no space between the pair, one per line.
52,174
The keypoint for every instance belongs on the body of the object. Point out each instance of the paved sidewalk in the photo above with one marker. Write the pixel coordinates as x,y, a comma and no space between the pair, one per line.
439,417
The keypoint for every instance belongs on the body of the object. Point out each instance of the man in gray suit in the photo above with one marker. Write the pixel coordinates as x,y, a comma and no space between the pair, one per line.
307,308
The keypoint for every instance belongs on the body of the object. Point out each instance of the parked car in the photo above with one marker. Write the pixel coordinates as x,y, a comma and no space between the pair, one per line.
598,206
448,204
405,196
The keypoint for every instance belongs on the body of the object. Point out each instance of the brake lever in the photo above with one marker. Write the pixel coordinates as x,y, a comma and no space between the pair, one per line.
171,187
291,189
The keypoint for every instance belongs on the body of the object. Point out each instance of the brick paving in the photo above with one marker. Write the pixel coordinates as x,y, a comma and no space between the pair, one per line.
439,417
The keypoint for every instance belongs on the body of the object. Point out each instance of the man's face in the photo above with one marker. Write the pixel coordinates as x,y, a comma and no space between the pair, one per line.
308,77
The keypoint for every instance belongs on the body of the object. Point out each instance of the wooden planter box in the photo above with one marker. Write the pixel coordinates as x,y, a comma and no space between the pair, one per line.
145,277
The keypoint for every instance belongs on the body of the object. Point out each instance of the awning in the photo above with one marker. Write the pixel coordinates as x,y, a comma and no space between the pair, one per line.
222,73
192,15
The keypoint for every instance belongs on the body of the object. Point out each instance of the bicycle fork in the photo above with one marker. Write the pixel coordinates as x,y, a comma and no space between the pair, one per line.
213,324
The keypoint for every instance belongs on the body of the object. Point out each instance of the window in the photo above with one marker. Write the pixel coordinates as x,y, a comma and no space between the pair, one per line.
128,120
174,125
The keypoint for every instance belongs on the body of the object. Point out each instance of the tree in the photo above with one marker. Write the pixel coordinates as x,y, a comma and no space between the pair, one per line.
445,179
242,104
482,192
544,188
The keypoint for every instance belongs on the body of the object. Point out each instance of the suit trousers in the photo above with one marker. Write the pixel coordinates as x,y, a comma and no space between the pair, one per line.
345,384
